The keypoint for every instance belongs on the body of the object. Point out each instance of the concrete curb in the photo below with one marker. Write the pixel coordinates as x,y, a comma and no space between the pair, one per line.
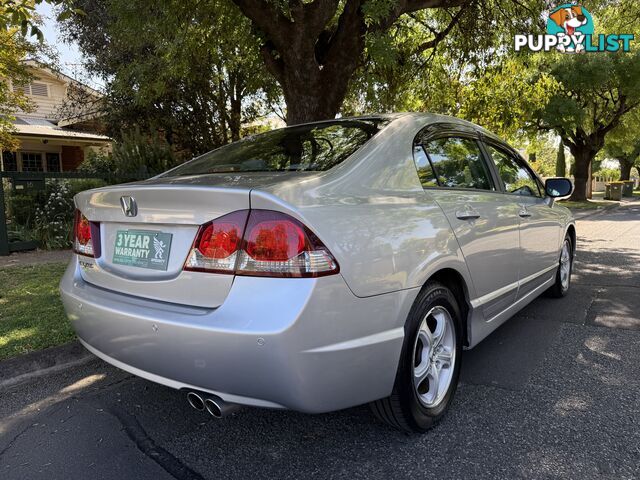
35,364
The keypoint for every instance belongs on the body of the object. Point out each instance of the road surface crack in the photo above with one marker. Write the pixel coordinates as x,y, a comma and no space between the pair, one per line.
148,447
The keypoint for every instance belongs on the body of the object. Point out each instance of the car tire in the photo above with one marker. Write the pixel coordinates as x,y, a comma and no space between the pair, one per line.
433,341
565,267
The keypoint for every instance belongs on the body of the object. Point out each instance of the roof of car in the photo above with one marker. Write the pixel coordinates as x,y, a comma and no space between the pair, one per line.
419,117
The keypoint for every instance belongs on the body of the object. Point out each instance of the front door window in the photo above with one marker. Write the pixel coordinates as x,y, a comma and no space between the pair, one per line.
515,177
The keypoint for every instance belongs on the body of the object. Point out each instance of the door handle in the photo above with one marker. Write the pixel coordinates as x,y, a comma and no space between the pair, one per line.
467,214
524,212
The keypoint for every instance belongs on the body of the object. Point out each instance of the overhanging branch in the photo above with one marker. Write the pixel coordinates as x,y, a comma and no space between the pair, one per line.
439,36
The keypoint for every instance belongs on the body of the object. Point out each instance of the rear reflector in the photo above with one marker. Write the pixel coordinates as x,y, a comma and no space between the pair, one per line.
260,243
82,243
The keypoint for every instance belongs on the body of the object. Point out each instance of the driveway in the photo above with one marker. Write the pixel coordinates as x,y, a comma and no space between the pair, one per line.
554,393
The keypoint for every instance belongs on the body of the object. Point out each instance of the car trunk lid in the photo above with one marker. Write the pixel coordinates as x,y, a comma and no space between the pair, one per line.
143,254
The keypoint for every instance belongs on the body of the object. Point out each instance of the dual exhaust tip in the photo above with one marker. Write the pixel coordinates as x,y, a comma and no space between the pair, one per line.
215,406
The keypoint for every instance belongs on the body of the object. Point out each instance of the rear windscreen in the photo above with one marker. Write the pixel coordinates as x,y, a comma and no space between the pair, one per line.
312,147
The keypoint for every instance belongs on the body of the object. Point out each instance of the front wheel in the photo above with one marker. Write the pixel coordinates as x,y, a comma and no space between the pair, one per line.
565,268
429,364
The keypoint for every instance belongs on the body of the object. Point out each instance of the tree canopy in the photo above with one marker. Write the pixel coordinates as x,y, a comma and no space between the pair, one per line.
623,144
319,50
199,69
21,15
13,50
187,68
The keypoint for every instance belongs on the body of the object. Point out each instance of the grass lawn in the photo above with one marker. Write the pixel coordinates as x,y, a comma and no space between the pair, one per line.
587,205
31,314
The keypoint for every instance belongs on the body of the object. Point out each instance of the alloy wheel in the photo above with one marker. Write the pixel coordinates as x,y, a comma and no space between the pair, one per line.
434,355
565,265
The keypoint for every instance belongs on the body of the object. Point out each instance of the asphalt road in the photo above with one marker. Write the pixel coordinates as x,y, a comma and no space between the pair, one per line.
554,393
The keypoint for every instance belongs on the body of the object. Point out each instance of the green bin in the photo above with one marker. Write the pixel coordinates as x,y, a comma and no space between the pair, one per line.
627,188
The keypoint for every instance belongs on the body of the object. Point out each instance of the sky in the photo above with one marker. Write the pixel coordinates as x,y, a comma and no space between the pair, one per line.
70,58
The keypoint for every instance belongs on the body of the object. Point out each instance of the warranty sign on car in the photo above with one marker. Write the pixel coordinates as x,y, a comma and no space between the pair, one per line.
144,249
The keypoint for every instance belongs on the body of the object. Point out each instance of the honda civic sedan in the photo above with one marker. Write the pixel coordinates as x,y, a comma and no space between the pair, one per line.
319,266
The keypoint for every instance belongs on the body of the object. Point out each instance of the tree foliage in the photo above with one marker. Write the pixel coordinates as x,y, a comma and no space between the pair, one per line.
13,50
18,20
593,95
581,98
429,60
314,49
187,68
623,144
21,15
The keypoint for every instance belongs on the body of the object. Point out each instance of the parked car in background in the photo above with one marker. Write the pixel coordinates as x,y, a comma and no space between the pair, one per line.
319,266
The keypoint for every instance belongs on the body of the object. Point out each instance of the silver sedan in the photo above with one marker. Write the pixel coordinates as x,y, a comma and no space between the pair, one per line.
319,266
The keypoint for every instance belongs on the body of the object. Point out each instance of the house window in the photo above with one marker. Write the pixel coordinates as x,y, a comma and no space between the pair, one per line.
36,89
31,162
53,162
9,162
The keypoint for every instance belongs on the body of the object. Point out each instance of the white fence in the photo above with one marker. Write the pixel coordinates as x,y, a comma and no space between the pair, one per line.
598,183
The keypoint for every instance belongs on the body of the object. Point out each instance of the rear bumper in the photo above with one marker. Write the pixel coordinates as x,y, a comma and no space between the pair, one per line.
305,344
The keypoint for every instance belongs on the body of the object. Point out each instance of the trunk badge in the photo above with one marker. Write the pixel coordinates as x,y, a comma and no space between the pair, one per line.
129,206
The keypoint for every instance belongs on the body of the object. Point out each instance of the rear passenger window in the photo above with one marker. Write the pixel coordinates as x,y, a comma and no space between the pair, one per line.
456,163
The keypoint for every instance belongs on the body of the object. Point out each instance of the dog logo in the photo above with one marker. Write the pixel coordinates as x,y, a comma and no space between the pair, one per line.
570,29
570,23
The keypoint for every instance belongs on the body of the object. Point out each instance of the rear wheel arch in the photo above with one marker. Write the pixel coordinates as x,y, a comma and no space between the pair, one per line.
454,281
404,408
571,231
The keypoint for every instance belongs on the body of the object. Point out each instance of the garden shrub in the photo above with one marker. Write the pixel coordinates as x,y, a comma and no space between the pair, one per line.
78,185
97,163
608,173
20,206
141,155
54,219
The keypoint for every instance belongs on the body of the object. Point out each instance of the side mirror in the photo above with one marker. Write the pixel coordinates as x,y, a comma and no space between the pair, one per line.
558,187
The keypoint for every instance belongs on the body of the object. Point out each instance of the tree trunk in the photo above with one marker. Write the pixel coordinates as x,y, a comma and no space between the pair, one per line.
313,86
235,119
582,161
312,99
625,169
561,162
314,48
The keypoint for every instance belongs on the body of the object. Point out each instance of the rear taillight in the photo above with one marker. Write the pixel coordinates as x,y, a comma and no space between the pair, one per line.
260,243
217,243
82,243
276,244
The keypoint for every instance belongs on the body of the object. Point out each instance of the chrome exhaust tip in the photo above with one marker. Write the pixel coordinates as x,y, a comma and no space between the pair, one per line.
213,407
196,401
218,408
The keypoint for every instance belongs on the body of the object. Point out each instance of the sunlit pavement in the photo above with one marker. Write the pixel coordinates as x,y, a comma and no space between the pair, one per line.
554,393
